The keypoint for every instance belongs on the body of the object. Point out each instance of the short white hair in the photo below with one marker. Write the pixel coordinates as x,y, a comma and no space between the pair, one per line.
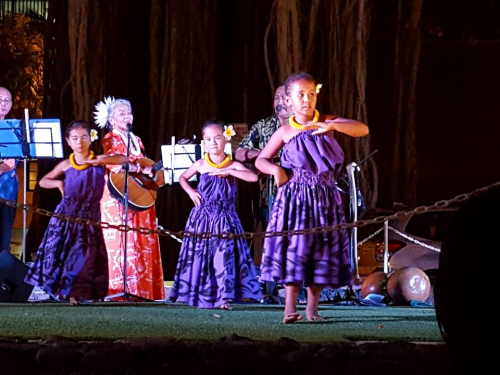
112,106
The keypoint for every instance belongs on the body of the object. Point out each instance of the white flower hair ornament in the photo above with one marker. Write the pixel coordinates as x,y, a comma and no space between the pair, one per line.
93,135
101,113
318,87
229,132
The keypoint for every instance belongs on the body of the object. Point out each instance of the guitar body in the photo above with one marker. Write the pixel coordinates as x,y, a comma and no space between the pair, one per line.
142,190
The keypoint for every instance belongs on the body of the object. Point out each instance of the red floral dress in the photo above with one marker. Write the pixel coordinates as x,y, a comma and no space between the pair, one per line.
144,267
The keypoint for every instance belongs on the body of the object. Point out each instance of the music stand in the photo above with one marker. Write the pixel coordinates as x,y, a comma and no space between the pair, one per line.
177,158
46,139
30,139
125,218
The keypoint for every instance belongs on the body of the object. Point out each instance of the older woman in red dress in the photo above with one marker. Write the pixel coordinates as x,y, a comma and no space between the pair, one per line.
144,267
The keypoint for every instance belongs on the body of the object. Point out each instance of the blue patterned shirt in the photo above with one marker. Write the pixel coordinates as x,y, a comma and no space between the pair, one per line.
9,185
256,139
260,133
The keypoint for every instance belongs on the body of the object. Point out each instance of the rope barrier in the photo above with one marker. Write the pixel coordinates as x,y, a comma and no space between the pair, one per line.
250,235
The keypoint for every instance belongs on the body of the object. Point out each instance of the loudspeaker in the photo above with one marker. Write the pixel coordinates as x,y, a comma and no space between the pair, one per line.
12,273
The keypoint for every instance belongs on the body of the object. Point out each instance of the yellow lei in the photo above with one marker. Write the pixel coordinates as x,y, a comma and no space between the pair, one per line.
221,164
296,125
80,167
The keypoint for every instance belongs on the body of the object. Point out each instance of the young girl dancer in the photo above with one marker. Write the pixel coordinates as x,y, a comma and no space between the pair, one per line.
211,272
306,198
71,262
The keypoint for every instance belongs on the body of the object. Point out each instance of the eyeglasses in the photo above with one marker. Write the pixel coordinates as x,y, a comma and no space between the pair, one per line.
5,100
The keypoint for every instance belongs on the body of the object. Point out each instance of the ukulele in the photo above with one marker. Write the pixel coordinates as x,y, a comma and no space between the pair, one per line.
142,189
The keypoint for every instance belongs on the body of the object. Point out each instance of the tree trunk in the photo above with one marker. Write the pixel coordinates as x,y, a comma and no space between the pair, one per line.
407,58
335,34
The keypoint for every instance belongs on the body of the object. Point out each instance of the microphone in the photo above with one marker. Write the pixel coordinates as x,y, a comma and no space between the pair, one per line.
129,126
279,108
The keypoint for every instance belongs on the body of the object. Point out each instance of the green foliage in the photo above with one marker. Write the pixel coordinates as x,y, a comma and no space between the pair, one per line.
21,62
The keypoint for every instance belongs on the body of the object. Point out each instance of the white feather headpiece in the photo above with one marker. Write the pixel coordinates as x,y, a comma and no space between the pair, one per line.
102,111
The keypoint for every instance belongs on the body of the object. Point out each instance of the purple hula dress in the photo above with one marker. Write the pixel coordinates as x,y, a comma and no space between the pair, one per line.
72,260
214,271
308,200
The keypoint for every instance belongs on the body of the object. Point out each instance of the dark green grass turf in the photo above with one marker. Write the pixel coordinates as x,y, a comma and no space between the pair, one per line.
113,320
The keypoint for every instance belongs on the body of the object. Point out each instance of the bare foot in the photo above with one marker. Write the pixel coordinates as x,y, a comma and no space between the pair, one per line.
291,318
226,306
313,317
73,301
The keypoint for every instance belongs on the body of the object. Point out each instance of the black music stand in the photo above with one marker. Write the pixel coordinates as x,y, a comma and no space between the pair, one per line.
177,158
13,140
125,218
30,139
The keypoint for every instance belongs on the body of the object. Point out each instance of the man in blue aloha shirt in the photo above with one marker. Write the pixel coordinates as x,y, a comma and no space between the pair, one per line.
248,150
256,139
9,183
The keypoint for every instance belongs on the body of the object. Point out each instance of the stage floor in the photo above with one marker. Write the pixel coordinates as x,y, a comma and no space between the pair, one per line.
48,337
115,320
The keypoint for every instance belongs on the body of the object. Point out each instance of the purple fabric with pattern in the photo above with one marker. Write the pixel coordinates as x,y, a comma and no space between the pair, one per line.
214,271
308,200
72,260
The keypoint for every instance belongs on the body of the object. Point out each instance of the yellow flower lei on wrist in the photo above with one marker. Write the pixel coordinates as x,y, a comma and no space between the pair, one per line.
80,167
296,125
220,165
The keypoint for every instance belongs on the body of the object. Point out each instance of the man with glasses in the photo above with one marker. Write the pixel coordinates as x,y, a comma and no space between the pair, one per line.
8,180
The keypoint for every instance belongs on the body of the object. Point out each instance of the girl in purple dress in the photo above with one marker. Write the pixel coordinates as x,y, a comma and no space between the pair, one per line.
306,198
71,262
211,272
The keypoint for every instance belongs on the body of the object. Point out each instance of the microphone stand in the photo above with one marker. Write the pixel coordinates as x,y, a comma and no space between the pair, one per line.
125,217
355,199
345,176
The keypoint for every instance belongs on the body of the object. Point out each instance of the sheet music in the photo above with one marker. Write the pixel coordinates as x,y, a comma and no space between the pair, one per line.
177,159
